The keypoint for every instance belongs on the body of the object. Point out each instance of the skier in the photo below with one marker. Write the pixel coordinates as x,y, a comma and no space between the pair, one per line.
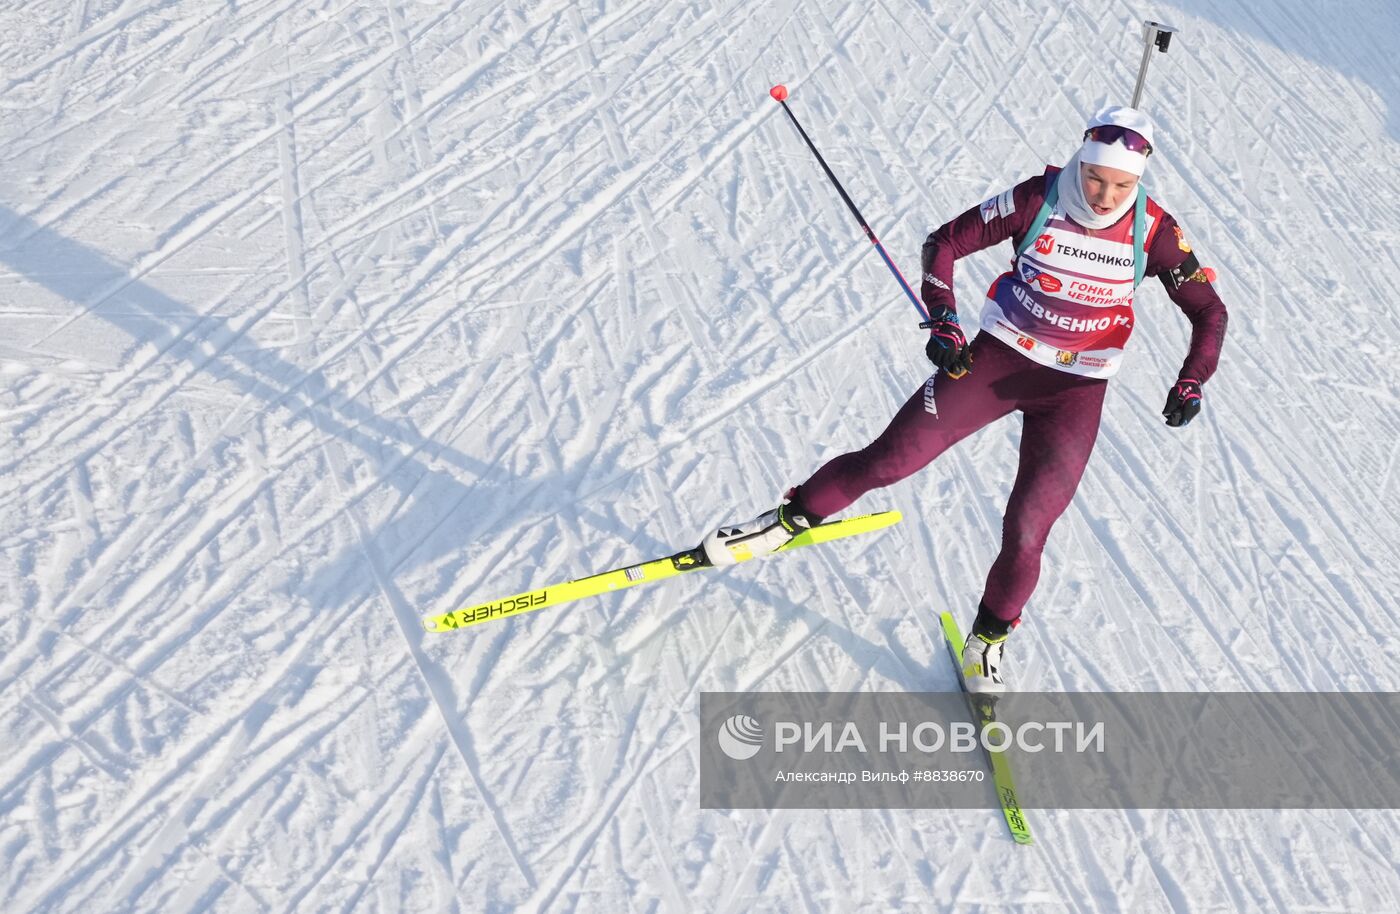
1053,330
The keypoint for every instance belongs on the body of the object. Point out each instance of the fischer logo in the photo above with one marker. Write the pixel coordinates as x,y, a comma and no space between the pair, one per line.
1045,244
501,608
1094,256
1012,809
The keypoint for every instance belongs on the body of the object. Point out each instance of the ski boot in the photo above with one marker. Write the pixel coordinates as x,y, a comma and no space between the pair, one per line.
765,534
982,666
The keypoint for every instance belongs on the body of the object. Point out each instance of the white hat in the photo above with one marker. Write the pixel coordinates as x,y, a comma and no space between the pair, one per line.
1115,154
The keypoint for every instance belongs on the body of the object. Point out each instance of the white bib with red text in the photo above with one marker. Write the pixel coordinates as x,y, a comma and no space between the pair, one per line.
1068,300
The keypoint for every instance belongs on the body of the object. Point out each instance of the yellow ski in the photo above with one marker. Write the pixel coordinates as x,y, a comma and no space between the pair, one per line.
984,707
632,575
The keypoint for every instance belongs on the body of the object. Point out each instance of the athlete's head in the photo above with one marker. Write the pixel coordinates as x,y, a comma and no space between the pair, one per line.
1114,155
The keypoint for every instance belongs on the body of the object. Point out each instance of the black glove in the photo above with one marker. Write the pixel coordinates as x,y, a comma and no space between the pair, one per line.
947,347
1183,402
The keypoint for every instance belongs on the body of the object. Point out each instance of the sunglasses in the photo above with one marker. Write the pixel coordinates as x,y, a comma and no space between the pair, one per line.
1112,133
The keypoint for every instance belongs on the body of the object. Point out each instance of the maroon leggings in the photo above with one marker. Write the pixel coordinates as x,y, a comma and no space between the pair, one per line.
1061,423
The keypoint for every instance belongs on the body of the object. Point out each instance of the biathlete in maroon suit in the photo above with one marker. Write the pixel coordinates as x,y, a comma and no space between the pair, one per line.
1053,330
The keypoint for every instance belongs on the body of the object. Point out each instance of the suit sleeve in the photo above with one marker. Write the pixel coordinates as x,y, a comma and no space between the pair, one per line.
1008,214
1171,260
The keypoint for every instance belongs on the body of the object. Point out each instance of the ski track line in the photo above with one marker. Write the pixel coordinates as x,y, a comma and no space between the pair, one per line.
396,829
153,260
438,99
359,828
107,28
206,529
757,389
396,464
128,819
349,343
412,93
73,27
226,332
433,326
1116,554
179,830
672,896
98,756
586,842
434,100
439,688
570,226
107,702
138,678
442,856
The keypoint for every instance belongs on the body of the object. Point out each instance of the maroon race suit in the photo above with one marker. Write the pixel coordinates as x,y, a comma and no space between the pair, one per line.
1049,360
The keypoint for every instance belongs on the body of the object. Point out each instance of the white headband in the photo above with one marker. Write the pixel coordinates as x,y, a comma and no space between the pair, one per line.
1113,155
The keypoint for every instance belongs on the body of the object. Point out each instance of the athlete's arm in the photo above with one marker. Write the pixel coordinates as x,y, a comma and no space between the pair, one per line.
1003,216
1171,259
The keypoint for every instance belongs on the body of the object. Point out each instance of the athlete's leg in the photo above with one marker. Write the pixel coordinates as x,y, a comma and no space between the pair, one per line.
937,416
1056,440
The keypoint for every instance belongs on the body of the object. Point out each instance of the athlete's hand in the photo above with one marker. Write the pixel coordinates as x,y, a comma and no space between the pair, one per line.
1183,402
947,346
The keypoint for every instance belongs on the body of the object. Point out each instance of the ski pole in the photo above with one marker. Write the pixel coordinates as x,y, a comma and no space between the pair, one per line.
779,94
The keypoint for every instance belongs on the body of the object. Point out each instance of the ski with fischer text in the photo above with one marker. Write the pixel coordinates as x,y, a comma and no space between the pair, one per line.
984,712
632,575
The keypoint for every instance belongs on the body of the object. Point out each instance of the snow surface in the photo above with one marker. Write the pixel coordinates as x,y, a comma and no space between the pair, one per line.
320,316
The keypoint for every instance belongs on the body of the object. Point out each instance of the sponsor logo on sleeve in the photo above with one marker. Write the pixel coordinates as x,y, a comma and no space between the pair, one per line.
1000,206
1181,239
935,281
1006,203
